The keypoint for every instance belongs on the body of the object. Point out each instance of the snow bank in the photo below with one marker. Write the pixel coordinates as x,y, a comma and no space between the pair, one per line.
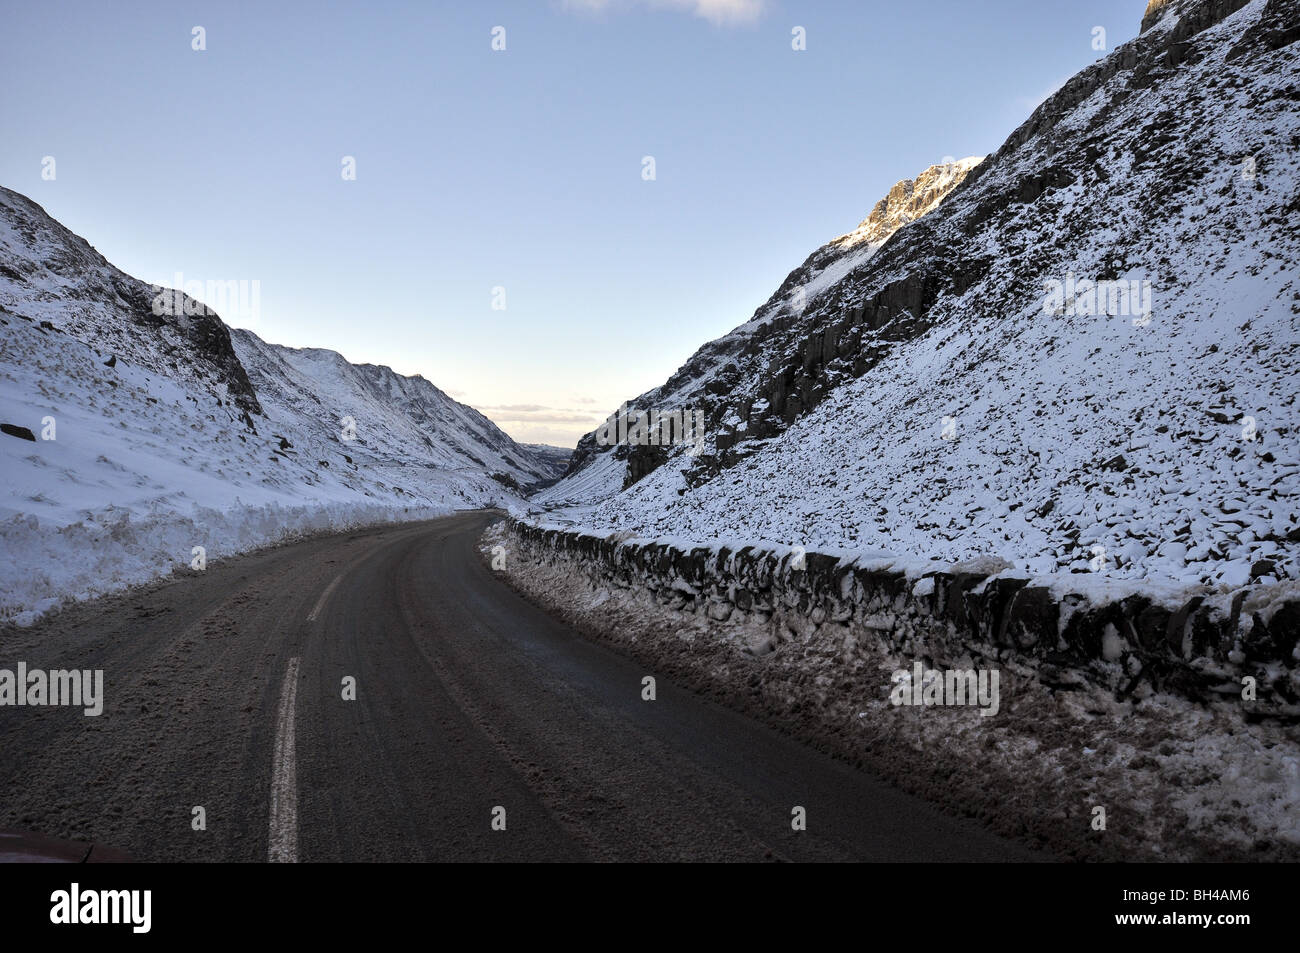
47,564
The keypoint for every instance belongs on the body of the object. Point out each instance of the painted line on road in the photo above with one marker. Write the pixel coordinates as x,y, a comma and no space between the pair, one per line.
284,775
324,596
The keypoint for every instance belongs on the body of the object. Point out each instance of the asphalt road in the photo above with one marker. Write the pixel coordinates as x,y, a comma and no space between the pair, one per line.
225,691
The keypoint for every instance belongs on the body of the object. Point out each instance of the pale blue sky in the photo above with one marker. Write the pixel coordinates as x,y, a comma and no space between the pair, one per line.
520,169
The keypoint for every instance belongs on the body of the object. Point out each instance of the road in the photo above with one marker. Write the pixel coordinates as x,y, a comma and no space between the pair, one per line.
225,691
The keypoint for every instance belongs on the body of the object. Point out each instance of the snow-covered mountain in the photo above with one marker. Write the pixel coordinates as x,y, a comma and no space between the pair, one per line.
398,421
597,471
133,437
48,274
983,385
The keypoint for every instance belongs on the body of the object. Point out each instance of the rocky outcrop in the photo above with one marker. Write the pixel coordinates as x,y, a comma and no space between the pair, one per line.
1192,16
907,201
1155,11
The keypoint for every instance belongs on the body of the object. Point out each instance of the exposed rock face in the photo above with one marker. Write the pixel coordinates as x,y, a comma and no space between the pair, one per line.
1191,16
907,201
1155,10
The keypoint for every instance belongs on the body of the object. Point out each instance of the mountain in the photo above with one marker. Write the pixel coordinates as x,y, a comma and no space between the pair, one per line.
400,421
715,369
1083,358
50,275
556,458
135,433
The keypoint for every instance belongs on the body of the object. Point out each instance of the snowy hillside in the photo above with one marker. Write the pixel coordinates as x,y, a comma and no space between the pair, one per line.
399,421
133,438
967,393
48,274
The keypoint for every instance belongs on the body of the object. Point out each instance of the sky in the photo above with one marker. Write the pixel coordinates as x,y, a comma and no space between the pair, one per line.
499,235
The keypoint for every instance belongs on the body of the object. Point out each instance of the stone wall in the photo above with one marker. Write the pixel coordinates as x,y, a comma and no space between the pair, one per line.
1131,644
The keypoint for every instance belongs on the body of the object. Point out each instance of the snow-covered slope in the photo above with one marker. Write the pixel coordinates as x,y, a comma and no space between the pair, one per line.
948,400
155,434
395,420
48,274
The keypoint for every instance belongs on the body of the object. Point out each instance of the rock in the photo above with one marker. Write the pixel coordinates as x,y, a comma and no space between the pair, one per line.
719,611
1263,567
1174,551
1154,11
112,361
1235,574
1112,646
14,430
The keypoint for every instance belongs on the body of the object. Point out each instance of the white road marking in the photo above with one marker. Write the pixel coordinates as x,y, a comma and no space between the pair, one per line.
324,596
284,774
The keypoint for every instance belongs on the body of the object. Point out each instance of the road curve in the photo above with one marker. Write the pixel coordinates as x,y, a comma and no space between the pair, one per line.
225,691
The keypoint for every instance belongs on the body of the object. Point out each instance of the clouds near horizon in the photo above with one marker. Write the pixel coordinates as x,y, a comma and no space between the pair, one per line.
717,12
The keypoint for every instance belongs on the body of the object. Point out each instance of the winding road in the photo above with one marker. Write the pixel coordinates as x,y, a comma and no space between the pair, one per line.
473,710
